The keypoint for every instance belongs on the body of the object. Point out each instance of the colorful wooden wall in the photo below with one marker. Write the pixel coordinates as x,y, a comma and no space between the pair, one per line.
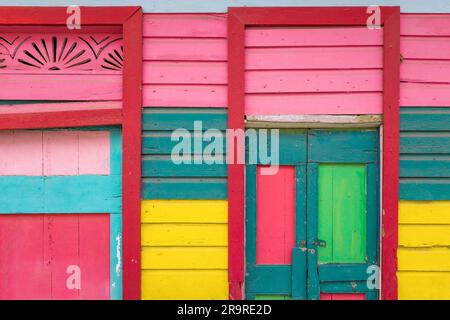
424,210
184,211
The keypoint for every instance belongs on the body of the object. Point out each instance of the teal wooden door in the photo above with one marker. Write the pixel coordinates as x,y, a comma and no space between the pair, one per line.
335,209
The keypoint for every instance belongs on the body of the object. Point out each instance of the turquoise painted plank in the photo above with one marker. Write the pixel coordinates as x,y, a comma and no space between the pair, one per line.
161,119
161,143
163,166
184,188
343,146
61,194
344,287
425,143
116,150
424,189
343,272
299,278
428,168
115,236
269,279
425,119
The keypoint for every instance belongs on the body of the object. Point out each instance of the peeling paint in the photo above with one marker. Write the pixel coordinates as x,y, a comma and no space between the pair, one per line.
118,254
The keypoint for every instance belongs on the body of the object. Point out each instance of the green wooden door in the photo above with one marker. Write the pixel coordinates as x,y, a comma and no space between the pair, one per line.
336,212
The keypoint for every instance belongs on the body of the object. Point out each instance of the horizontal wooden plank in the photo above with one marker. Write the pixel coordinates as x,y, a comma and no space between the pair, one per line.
424,212
424,25
293,81
313,58
425,142
314,103
344,287
161,143
179,284
424,94
185,25
424,189
425,71
312,36
184,211
185,96
425,119
11,107
164,166
424,166
173,258
313,121
343,272
174,118
423,235
423,285
184,188
168,49
425,47
278,280
184,72
89,87
182,235
423,259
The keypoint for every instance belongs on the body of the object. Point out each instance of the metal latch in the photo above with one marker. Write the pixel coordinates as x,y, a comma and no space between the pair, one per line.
320,243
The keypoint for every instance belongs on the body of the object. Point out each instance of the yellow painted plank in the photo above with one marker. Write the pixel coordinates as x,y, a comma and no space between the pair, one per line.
423,285
184,235
424,212
184,284
424,259
184,211
410,235
184,258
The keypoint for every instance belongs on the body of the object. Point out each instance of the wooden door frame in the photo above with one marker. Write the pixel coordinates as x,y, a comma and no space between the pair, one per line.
129,116
238,20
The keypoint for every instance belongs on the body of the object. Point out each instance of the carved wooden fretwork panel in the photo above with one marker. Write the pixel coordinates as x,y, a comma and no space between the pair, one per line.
61,53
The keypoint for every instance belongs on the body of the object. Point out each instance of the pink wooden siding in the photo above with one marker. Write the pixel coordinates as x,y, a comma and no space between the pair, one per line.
36,153
425,70
313,71
275,216
185,60
36,251
342,296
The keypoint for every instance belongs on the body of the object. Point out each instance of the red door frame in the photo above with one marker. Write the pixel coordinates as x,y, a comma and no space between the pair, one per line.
238,19
130,18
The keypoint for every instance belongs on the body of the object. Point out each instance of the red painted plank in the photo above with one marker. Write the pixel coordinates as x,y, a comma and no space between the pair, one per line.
185,49
425,71
314,58
293,81
342,296
275,216
185,25
52,107
312,36
425,25
424,94
425,47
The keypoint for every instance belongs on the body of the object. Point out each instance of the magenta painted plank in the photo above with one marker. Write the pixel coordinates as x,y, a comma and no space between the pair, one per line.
313,81
185,49
425,47
23,272
21,153
60,87
425,25
94,256
64,106
425,71
93,152
312,36
424,94
342,296
314,103
185,25
60,153
275,216
185,95
314,58
175,72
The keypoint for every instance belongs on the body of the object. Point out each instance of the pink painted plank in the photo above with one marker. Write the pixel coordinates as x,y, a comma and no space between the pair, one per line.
185,49
60,87
312,36
425,25
185,72
185,25
327,103
60,153
184,95
21,153
425,47
65,106
425,71
314,58
94,256
94,152
275,216
342,296
23,272
313,81
424,94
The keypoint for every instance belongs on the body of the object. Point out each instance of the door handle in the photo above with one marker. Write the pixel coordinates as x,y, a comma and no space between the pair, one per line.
320,243
302,245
